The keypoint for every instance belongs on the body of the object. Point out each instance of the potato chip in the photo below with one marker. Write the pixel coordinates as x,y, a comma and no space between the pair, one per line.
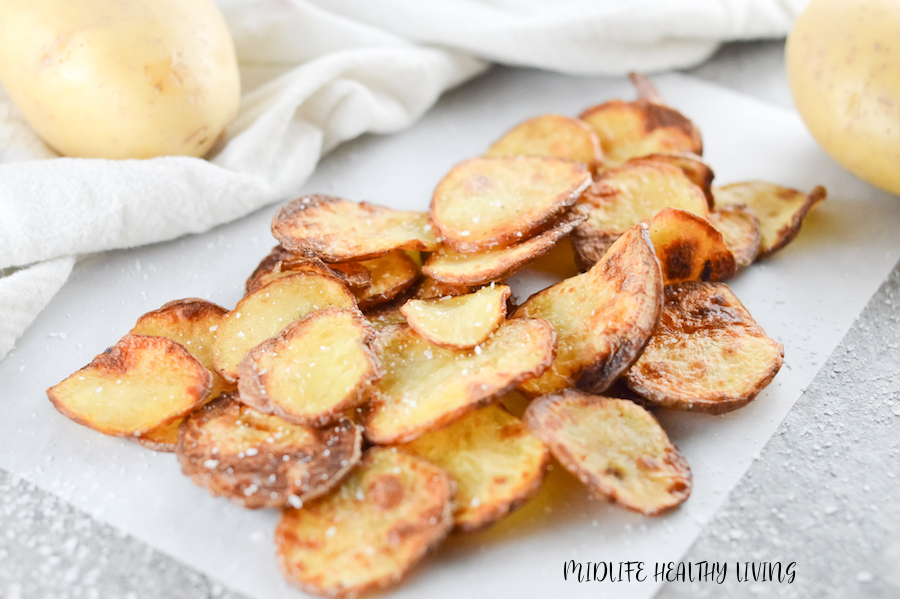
460,322
139,384
371,530
707,355
426,387
281,263
694,169
488,202
689,248
780,210
603,317
553,136
496,462
314,370
392,274
337,230
263,313
740,232
258,460
429,288
615,447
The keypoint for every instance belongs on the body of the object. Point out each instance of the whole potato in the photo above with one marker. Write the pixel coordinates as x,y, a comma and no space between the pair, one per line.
120,78
843,64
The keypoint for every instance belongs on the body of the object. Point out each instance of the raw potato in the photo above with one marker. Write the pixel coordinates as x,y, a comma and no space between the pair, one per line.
281,263
780,210
497,464
707,354
615,447
337,230
460,322
149,78
390,511
603,317
315,369
392,274
689,248
426,387
553,136
135,386
487,202
257,460
740,231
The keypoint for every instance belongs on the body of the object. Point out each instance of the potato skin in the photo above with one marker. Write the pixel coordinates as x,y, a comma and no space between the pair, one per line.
120,78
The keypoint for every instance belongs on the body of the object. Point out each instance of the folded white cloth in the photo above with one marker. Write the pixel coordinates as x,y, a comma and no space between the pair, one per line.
316,73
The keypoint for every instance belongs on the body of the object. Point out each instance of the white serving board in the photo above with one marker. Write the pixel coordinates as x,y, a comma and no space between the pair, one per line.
807,297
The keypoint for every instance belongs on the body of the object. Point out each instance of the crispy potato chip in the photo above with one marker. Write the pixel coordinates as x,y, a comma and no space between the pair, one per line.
603,317
553,136
314,370
740,231
627,195
707,355
258,460
281,263
133,387
488,202
392,274
460,322
263,313
337,230
615,447
496,462
426,387
780,210
429,288
448,266
689,248
694,169
367,534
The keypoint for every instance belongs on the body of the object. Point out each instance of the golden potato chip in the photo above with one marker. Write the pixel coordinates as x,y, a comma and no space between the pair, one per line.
281,263
780,210
263,313
603,317
488,202
315,369
429,288
627,195
133,387
426,387
460,322
496,462
455,268
689,248
553,136
694,169
392,274
371,530
740,231
258,460
615,447
337,230
707,354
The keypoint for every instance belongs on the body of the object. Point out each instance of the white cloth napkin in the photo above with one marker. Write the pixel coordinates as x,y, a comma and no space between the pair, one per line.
316,73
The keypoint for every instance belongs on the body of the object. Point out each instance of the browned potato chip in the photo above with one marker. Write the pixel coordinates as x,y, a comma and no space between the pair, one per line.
337,230
497,464
707,355
263,313
367,534
627,195
780,210
426,387
693,167
281,263
258,460
460,322
429,288
392,274
689,248
314,370
615,447
488,202
133,387
448,266
603,317
551,135
740,231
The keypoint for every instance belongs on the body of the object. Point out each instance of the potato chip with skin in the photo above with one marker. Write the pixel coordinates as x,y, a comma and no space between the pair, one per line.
460,322
429,288
496,462
707,354
615,447
740,232
488,202
368,533
551,135
281,263
314,370
337,230
694,168
259,460
391,275
137,385
426,387
689,248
